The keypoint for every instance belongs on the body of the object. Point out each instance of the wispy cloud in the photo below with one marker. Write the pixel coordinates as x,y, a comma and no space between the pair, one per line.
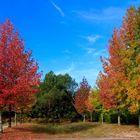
66,51
94,52
78,73
58,9
90,50
69,69
107,14
99,53
92,38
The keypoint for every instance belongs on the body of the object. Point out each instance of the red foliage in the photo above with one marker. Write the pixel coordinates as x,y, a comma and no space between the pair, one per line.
18,71
81,96
89,103
114,74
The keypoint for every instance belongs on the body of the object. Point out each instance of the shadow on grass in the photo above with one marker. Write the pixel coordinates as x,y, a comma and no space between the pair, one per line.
59,128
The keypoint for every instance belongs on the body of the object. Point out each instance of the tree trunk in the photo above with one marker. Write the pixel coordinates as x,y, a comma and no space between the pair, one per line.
10,110
21,116
15,119
91,116
119,121
102,118
84,118
1,129
139,120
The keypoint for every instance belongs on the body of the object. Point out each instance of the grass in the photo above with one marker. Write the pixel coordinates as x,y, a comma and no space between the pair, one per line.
70,130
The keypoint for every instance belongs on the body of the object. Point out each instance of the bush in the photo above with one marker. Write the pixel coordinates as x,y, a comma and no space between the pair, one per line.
107,118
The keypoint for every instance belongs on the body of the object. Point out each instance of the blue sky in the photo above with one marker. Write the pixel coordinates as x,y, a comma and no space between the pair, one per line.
67,36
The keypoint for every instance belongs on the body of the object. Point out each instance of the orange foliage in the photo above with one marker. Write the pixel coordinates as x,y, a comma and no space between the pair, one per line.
119,83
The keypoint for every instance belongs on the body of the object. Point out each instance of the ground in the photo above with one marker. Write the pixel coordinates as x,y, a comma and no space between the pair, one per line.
30,131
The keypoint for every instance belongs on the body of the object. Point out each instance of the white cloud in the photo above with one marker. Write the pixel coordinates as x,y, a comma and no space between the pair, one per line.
94,52
66,51
67,70
99,53
58,9
110,13
92,38
90,50
78,73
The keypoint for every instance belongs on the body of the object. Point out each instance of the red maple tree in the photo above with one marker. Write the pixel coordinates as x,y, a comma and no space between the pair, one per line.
18,71
81,97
